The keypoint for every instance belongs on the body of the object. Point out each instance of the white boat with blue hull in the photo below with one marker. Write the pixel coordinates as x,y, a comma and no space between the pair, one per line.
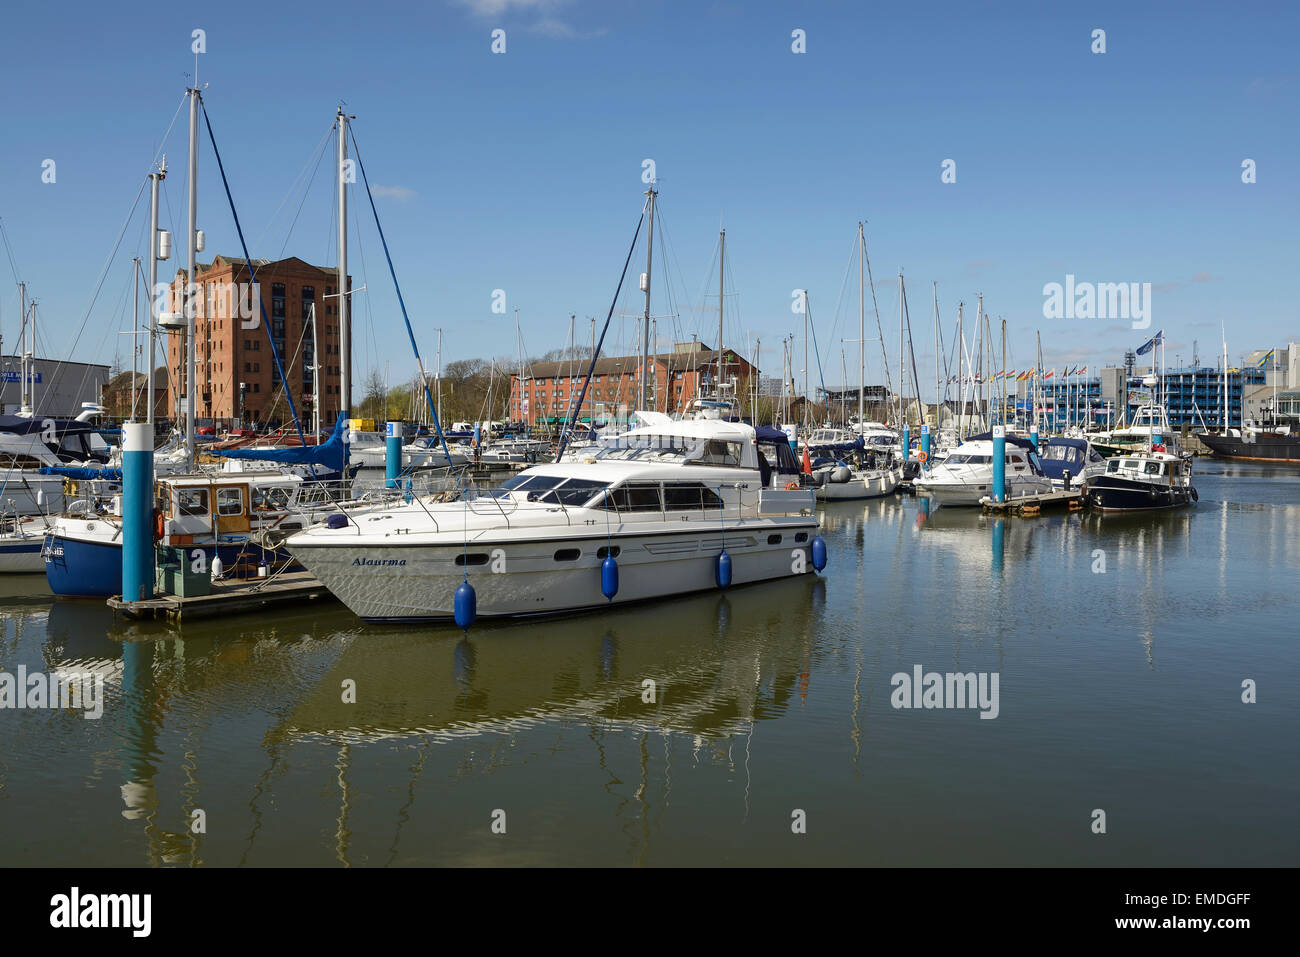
663,503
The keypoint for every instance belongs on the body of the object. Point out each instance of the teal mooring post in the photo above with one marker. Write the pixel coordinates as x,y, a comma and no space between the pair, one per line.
393,455
999,463
925,446
1033,437
907,442
137,511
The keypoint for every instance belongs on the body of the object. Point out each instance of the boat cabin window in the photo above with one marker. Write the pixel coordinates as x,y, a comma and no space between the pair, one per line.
1112,466
271,499
1130,464
230,501
191,501
963,458
689,496
633,497
1152,468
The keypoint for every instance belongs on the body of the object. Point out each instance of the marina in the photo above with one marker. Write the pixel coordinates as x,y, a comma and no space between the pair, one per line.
513,435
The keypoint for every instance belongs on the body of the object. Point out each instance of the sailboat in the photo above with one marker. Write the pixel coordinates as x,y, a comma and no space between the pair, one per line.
864,474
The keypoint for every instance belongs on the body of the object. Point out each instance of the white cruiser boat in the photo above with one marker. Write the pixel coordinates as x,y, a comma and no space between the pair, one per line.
665,501
966,474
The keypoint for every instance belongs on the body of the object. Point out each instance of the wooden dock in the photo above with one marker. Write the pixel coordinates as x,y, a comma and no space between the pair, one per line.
1031,505
238,597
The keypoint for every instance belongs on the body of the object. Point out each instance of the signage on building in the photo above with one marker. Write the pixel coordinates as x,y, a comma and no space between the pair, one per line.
13,375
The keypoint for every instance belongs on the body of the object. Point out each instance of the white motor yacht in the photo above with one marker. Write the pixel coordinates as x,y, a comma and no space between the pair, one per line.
680,506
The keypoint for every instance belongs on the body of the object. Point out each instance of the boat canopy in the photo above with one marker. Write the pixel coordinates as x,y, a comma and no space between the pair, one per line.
113,475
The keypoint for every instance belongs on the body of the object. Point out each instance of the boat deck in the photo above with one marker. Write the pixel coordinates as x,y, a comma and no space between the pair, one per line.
1030,505
240,597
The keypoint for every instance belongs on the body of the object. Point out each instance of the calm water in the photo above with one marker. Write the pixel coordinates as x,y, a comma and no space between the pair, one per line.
1118,690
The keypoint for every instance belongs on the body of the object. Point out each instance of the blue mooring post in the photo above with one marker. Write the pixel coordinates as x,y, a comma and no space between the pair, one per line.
393,455
907,442
999,463
1033,436
925,445
137,511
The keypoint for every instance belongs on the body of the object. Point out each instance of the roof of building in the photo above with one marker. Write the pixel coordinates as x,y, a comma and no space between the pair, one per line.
618,365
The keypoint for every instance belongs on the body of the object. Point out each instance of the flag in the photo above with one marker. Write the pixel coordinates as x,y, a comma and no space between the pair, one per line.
1267,358
1050,374
1083,370
807,462
1151,343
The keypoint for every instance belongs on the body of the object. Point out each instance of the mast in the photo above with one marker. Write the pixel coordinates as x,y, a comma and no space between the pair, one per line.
961,380
155,178
315,376
902,370
807,409
190,334
438,377
1004,372
345,303
645,329
25,405
722,254
862,326
938,399
1038,379
135,328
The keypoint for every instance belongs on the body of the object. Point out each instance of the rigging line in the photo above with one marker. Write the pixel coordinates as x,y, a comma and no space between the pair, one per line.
839,303
424,379
320,149
103,276
592,368
13,266
252,276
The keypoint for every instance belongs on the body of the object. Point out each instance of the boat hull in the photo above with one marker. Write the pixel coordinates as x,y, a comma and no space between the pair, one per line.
1264,448
1107,493
83,566
417,582
21,556
874,485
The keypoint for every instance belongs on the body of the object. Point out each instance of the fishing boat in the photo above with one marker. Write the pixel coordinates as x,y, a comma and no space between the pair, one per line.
1143,481
665,509
966,475
1150,423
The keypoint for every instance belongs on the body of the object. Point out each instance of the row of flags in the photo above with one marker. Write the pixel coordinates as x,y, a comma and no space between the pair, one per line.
1026,376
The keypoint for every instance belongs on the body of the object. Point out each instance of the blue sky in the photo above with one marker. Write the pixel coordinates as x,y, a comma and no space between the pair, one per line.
522,171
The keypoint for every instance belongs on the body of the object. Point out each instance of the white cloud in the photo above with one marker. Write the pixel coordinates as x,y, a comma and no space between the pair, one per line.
399,193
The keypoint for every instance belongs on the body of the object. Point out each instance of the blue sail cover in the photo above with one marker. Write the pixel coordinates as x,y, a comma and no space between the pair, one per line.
331,454
113,475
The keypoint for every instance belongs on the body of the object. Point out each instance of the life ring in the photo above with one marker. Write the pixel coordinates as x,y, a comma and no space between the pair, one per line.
159,525
790,486
921,457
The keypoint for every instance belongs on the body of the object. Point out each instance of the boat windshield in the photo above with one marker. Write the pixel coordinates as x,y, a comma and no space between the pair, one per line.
1062,453
676,449
963,458
553,489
